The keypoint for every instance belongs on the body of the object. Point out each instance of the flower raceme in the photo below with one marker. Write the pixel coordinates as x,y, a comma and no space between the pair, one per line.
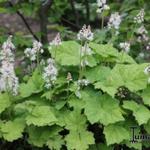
102,6
125,46
142,34
50,73
139,18
85,51
8,79
147,72
85,34
32,53
114,21
57,41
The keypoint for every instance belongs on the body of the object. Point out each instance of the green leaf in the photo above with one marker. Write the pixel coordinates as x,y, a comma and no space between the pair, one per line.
67,53
41,116
140,112
146,96
147,127
75,121
130,76
137,146
34,85
39,136
4,102
100,146
79,140
12,130
101,108
116,133
76,103
125,58
98,73
104,50
55,142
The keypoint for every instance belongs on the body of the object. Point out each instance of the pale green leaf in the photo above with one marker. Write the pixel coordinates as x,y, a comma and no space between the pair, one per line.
41,116
130,76
55,142
4,102
104,50
140,112
146,96
147,127
98,73
116,133
75,121
34,85
12,130
79,140
101,108
67,53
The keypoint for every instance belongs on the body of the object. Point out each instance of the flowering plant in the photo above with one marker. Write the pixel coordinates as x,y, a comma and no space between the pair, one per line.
82,94
86,90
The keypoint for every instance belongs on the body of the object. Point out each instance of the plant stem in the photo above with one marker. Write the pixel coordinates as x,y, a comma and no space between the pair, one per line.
80,66
102,22
38,63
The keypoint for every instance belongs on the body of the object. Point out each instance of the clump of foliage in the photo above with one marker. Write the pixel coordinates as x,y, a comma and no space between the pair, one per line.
94,95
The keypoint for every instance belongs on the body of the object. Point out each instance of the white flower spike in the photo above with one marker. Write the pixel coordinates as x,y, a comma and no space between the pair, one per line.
8,80
85,34
102,6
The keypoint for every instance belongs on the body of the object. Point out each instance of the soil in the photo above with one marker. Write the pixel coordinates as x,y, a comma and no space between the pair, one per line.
12,23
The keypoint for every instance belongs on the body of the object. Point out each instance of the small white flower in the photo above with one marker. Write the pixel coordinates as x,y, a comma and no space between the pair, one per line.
85,50
69,77
85,34
114,21
102,6
125,46
140,17
142,34
57,41
148,46
147,70
142,30
78,94
32,53
83,82
141,55
50,73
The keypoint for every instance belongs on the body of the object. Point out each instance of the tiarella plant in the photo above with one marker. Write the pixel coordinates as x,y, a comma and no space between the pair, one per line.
87,95
82,95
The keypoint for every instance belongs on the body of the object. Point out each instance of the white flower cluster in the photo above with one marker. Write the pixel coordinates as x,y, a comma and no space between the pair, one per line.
8,80
83,82
32,53
80,83
147,72
85,51
140,17
125,46
102,6
69,77
57,41
85,34
142,34
148,46
50,73
141,55
114,21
